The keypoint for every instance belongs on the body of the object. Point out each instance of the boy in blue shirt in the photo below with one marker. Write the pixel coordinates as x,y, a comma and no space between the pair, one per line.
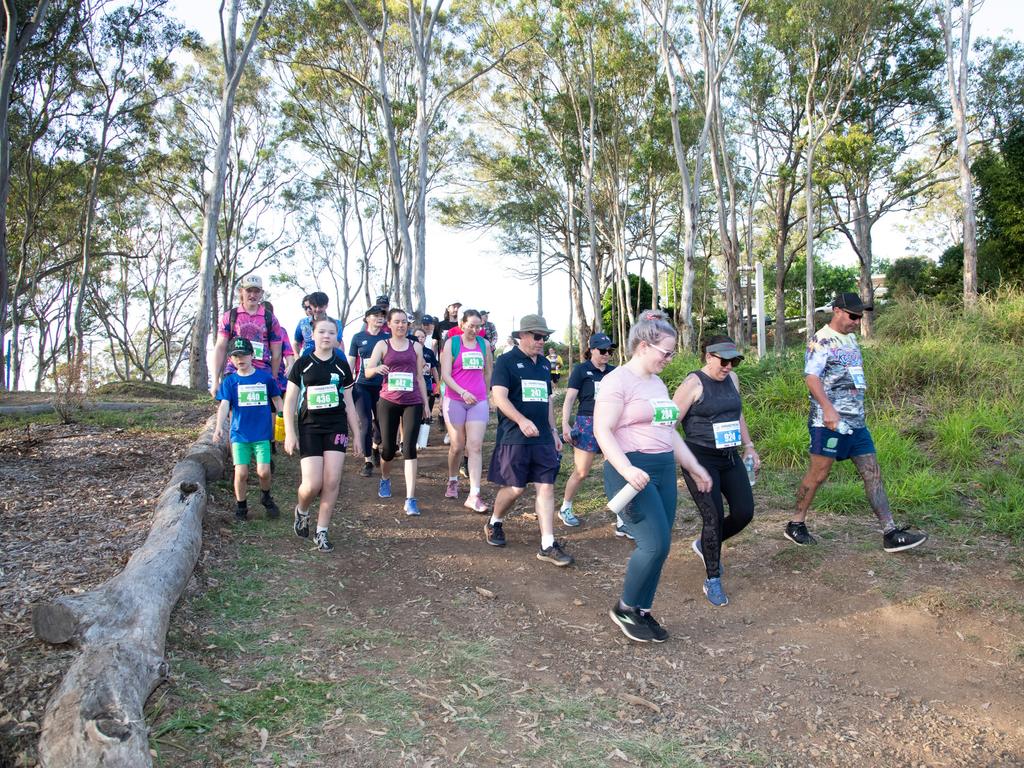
247,394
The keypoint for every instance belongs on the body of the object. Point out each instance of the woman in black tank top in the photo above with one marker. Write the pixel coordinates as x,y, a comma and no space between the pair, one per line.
713,424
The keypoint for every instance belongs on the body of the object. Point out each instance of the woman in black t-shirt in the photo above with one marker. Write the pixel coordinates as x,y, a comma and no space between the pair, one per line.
327,423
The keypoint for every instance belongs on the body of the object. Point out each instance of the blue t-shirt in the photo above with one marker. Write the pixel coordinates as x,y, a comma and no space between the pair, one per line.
362,348
249,398
529,389
304,336
586,377
430,361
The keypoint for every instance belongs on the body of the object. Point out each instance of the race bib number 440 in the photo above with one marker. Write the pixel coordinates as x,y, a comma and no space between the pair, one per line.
250,395
400,381
535,391
322,396
666,413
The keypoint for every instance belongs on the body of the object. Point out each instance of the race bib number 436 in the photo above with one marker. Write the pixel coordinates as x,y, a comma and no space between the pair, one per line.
322,396
252,395
535,391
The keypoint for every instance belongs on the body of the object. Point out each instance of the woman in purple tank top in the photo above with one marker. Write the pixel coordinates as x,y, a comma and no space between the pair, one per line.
466,370
403,400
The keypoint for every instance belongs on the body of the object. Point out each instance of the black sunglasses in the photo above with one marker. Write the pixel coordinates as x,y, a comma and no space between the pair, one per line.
538,337
853,315
605,351
306,307
733,361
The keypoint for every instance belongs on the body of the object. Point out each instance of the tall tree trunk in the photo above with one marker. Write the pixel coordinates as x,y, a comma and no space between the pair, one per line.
540,270
234,66
862,233
90,220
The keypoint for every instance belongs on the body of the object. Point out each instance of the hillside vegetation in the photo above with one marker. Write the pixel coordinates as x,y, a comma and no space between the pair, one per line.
944,395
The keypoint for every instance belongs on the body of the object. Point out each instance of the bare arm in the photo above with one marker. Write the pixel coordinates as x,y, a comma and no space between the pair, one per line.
220,356
355,425
222,414
570,400
373,365
688,393
275,357
829,412
291,430
686,459
748,442
421,383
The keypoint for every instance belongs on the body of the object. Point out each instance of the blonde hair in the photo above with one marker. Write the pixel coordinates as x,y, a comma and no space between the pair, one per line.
651,326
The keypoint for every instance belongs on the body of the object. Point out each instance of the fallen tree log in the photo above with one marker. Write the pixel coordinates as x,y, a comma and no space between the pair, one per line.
95,716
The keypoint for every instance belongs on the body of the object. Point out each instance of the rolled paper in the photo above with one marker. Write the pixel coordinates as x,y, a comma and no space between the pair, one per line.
618,502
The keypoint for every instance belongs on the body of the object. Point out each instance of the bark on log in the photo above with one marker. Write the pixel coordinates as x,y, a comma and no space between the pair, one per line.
95,717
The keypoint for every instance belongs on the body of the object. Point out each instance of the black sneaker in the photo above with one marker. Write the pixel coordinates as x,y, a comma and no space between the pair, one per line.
376,457
322,542
900,539
494,534
301,523
464,467
798,534
273,511
555,554
241,515
632,624
367,469
658,633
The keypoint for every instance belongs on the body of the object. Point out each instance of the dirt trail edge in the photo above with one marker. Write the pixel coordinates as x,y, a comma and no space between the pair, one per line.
415,643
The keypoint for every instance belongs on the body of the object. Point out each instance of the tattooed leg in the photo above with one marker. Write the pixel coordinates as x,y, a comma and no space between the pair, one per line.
871,474
816,475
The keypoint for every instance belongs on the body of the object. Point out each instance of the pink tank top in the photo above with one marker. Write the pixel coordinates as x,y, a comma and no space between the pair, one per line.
400,385
468,370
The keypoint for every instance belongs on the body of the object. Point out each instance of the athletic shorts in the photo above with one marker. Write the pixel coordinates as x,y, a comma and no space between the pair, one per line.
582,434
832,445
458,413
517,465
242,453
318,443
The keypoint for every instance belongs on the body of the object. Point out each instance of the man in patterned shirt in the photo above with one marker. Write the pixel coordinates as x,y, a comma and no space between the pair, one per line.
834,372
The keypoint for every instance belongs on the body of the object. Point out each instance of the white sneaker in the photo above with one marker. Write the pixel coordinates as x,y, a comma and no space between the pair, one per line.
447,440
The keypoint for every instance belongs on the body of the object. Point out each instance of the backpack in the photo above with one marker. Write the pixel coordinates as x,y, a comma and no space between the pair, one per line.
267,316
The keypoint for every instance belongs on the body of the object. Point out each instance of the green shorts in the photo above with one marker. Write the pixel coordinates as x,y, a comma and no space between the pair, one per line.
243,452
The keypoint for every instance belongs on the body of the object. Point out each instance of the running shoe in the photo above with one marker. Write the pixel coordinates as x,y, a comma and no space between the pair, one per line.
384,488
555,554
412,509
367,469
476,504
658,632
494,534
696,547
632,624
322,542
301,523
447,440
241,515
622,533
273,511
451,491
566,516
714,592
798,534
900,539
464,467
376,457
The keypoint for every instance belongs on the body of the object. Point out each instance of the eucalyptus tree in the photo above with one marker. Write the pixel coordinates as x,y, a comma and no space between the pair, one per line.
235,55
957,81
872,164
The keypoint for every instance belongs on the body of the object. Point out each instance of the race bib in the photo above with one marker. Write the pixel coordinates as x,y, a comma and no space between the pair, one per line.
535,391
400,381
322,396
597,388
666,413
857,374
472,361
727,434
252,395
257,350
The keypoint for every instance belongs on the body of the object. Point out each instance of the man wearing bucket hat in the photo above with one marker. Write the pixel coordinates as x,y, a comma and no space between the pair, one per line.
527,445
834,373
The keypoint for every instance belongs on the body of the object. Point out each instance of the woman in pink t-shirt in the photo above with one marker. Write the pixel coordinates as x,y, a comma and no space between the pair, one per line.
466,370
635,426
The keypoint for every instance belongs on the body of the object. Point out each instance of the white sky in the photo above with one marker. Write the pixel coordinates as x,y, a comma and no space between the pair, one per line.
468,267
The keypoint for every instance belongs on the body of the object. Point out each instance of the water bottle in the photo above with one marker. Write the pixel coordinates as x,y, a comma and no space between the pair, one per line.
748,462
279,428
843,428
424,435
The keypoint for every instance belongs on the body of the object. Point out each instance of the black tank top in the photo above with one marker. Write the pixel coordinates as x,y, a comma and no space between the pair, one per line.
720,403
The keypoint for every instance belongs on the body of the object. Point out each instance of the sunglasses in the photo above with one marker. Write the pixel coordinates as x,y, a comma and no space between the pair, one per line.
733,361
307,308
853,315
539,337
604,351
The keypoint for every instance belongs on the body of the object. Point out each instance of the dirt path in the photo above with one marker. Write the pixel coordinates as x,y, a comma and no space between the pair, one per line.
415,643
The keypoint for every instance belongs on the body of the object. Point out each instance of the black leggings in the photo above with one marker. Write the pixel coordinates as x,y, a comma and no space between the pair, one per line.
389,415
729,479
365,399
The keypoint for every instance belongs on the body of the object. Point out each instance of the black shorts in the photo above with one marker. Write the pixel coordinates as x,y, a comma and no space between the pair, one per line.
317,443
517,465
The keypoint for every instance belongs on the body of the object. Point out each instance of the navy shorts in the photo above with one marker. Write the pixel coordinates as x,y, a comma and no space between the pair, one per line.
317,443
517,465
833,445
582,434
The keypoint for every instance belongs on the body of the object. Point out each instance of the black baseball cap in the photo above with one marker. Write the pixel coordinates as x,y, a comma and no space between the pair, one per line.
851,302
240,346
601,341
374,310
383,300
428,320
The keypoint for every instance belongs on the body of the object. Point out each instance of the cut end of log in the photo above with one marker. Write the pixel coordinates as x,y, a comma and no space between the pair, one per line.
54,623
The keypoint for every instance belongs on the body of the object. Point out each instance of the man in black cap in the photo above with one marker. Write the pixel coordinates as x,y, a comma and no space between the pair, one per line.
489,331
526,446
834,372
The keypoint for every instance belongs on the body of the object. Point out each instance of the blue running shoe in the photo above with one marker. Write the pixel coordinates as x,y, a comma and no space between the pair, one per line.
715,593
696,547
384,489
567,517
412,509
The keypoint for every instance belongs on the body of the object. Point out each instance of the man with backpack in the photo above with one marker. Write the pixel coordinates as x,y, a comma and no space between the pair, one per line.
249,320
